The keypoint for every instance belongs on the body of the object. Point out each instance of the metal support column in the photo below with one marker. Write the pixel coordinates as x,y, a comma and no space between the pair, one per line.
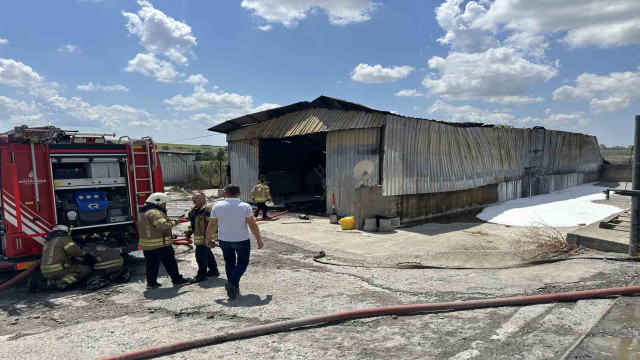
634,238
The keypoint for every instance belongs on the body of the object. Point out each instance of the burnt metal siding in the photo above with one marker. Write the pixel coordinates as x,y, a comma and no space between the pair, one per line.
345,149
178,168
309,121
424,156
244,162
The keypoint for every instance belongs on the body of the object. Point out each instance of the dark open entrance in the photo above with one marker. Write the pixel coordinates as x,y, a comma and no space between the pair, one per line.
295,167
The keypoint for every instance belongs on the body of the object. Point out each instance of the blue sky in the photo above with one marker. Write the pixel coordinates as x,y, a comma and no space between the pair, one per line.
171,69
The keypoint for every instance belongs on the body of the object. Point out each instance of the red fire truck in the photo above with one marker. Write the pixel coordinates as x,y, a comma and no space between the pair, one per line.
50,176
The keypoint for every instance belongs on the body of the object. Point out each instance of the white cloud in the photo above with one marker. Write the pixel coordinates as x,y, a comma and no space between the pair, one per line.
15,73
197,79
553,120
204,118
45,90
290,12
107,116
98,87
468,113
378,74
161,34
496,75
457,25
409,93
602,23
3,41
514,100
607,93
265,27
69,48
201,99
148,64
20,112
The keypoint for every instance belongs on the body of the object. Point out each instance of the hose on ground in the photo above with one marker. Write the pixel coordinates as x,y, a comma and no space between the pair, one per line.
411,265
278,214
369,312
21,276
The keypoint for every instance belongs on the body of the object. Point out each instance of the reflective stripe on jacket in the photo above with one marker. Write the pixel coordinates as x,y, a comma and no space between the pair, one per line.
57,254
199,221
154,229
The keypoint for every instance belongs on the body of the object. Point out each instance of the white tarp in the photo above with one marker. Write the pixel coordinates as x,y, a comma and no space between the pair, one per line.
568,207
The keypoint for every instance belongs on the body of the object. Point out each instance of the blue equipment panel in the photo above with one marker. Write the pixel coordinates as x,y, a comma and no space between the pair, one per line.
91,200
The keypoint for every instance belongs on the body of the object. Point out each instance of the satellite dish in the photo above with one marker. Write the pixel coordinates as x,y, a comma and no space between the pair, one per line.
363,170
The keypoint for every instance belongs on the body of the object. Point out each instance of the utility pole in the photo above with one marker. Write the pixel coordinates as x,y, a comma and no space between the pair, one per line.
634,238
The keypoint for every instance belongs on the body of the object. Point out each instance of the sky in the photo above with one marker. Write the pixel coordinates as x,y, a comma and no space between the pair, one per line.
170,69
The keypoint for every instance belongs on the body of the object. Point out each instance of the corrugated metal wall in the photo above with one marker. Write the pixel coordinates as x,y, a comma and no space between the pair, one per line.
309,121
428,157
345,149
245,164
178,168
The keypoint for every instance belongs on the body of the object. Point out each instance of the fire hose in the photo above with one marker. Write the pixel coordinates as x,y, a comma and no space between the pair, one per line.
415,265
278,214
20,276
300,323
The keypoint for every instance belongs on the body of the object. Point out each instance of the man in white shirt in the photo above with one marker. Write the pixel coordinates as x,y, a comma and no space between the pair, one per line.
232,219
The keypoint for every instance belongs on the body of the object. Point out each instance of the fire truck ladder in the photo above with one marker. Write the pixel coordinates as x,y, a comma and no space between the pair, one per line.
146,159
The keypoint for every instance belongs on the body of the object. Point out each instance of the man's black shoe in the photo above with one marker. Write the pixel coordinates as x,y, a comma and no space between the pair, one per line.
183,281
153,285
199,278
231,290
213,273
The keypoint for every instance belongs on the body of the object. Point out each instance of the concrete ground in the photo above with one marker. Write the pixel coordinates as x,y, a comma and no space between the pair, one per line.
283,282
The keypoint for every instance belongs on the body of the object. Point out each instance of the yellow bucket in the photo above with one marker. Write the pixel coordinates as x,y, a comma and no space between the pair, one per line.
347,223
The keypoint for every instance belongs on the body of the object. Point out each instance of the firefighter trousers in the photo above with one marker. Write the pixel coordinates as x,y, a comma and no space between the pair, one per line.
165,255
261,207
205,260
70,274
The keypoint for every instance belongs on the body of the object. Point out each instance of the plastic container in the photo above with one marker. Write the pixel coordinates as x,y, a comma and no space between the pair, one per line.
370,224
347,223
385,225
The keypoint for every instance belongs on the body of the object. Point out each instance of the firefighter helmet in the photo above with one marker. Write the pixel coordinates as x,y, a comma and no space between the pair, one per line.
61,228
158,198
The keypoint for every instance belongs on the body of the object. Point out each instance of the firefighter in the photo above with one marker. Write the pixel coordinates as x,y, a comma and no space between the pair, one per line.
156,241
260,194
57,255
199,217
108,266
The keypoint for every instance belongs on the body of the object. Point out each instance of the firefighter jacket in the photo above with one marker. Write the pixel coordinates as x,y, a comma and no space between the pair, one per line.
199,218
57,254
154,228
105,259
260,193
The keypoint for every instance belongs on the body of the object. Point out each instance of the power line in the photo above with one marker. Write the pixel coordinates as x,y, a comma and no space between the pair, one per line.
193,138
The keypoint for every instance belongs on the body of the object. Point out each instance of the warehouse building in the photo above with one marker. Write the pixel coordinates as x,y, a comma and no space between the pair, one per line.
178,166
423,168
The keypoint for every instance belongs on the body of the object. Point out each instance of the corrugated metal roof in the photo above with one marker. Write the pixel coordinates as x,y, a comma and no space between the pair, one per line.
322,102
309,121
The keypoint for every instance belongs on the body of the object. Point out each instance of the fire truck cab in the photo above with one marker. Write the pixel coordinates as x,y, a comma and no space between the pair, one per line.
50,176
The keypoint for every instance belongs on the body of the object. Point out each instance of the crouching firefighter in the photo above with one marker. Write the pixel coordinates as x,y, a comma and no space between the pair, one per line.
156,241
57,259
199,216
108,266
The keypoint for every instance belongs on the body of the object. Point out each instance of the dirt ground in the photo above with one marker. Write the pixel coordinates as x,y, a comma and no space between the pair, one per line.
283,282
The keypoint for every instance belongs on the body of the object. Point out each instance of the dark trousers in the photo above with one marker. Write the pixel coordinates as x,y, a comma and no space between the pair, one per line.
235,267
263,207
205,260
167,257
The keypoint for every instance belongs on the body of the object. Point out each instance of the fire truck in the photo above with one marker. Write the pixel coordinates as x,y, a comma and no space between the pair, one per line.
50,176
